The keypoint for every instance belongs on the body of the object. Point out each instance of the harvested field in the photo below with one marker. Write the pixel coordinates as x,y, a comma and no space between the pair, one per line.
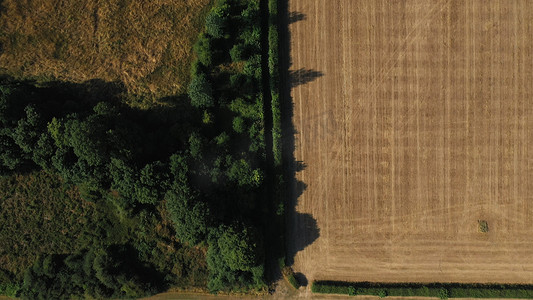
415,121
146,45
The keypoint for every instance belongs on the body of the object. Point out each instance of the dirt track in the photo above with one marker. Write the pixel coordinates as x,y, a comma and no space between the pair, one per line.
414,120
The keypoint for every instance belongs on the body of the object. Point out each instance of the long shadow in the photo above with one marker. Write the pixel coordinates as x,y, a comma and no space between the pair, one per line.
301,228
303,76
295,16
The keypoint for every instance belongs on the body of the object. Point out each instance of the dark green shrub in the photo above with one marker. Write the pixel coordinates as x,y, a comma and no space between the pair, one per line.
382,293
200,92
203,50
443,293
288,274
214,24
238,124
10,289
253,67
352,291
293,282
237,52
252,38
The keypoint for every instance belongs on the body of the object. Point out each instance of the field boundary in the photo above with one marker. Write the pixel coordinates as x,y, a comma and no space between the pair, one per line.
435,290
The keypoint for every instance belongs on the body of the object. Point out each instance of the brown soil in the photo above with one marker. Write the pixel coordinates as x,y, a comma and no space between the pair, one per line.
414,120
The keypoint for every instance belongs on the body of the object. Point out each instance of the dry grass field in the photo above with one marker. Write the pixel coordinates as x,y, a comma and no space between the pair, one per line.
147,45
420,126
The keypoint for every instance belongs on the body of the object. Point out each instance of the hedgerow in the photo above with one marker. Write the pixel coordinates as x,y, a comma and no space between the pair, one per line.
438,290
273,59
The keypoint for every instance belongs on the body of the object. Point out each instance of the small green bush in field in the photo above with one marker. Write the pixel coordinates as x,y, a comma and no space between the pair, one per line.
483,226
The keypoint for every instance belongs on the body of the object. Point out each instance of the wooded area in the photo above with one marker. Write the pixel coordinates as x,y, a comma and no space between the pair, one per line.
121,202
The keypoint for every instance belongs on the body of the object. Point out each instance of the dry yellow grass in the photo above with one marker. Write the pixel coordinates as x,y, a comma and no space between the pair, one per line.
147,45
421,125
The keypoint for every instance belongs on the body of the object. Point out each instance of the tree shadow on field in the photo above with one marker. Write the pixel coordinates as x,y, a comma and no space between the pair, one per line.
301,228
301,279
295,16
303,76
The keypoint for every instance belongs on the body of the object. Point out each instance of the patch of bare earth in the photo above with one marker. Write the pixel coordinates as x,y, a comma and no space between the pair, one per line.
421,125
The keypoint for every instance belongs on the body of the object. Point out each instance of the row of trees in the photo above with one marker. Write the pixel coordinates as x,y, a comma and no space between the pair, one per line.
226,86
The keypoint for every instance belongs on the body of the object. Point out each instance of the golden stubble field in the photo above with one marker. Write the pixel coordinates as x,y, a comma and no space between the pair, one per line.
420,125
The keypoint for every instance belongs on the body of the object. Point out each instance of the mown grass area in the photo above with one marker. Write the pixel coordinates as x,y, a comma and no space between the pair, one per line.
146,45
435,290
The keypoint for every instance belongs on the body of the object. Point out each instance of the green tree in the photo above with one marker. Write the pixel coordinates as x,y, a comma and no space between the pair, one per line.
240,247
237,52
200,92
11,156
203,50
252,67
152,180
214,24
241,172
188,214
196,144
44,151
238,124
28,130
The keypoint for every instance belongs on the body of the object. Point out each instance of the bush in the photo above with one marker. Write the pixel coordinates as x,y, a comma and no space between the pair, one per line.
252,38
214,24
253,67
239,247
443,293
9,289
200,92
352,291
203,51
238,124
289,276
382,293
237,52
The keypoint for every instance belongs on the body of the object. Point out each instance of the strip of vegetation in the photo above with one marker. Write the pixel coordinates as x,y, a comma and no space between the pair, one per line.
226,86
276,218
274,71
273,65
439,290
